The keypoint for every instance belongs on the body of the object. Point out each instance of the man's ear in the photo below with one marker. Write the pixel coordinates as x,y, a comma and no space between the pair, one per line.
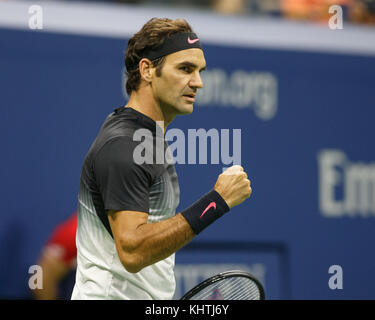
146,69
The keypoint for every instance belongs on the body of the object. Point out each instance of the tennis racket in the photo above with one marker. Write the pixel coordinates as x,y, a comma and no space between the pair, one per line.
228,285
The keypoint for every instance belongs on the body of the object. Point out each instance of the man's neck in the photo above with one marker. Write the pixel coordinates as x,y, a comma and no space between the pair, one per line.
147,105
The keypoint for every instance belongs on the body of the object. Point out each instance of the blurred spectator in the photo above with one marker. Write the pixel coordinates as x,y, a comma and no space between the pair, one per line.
229,6
197,4
362,11
254,7
312,10
58,261
357,11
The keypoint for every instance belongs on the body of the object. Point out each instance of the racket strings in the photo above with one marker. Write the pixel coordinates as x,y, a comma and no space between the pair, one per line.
235,288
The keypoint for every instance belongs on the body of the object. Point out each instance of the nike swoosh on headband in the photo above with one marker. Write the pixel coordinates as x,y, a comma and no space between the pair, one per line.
212,204
192,41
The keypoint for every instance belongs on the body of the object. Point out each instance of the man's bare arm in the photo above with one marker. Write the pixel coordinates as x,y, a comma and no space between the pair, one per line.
140,244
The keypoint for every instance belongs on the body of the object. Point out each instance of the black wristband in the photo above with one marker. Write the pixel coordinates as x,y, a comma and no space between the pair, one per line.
205,211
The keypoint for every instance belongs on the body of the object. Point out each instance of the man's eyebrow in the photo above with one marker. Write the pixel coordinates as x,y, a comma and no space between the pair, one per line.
190,64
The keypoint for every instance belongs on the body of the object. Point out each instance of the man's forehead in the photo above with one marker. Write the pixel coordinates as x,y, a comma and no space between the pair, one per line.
194,55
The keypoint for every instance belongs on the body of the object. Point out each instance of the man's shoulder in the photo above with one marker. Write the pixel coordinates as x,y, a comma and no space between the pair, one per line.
119,127
118,124
129,137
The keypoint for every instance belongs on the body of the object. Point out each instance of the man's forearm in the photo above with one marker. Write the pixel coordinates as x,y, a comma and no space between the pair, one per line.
152,242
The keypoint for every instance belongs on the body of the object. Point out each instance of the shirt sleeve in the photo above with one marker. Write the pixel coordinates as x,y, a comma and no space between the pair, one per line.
123,184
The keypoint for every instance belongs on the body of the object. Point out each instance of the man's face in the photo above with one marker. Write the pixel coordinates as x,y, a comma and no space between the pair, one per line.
180,79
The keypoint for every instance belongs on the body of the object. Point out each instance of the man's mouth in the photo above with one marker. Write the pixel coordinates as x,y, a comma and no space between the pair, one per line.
190,97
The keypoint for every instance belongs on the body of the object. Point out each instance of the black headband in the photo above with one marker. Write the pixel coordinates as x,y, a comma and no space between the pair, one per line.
176,42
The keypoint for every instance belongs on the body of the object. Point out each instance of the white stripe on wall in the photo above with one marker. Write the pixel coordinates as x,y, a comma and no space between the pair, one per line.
121,21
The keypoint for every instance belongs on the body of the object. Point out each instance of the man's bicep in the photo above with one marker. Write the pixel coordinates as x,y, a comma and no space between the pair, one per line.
126,220
124,224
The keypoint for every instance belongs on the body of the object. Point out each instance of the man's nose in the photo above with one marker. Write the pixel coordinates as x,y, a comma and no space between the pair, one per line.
196,81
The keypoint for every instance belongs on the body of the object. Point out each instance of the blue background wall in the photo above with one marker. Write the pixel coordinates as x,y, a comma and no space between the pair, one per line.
57,89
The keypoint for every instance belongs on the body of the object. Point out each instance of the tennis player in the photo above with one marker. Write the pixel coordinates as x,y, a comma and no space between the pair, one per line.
128,229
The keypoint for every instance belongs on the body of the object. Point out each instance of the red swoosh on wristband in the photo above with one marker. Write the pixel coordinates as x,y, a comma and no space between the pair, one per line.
212,204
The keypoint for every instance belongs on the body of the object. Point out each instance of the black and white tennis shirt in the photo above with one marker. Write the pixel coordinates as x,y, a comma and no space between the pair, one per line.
114,178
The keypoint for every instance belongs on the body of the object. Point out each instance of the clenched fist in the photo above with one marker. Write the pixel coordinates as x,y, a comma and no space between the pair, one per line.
233,186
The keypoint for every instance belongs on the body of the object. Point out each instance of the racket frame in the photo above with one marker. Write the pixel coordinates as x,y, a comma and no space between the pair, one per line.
221,276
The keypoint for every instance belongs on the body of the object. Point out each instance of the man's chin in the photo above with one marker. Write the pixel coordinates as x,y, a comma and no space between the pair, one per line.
182,109
187,109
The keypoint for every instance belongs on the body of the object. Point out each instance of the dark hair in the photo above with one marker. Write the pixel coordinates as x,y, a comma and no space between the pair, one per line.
149,37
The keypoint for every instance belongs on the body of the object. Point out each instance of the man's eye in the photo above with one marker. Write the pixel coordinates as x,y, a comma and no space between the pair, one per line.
185,69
